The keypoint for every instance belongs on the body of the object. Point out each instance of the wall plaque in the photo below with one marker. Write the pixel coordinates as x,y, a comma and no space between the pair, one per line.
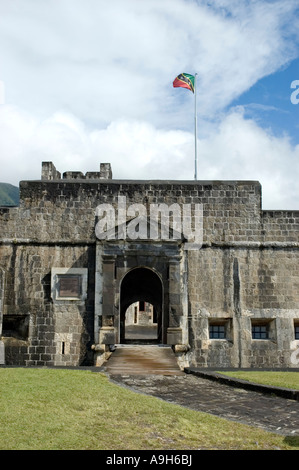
69,286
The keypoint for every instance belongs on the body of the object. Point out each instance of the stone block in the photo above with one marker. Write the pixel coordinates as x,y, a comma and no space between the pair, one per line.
174,336
105,171
107,335
2,353
49,171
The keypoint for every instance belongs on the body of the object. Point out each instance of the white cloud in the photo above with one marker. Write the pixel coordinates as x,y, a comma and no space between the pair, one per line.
135,149
108,60
237,148
240,149
139,150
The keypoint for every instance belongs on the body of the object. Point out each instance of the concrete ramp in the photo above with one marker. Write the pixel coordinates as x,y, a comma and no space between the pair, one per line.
143,360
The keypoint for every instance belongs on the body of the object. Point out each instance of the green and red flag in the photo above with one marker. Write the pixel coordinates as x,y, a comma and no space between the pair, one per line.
184,80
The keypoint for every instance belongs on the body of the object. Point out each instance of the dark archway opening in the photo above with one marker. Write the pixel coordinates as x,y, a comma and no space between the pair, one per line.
141,307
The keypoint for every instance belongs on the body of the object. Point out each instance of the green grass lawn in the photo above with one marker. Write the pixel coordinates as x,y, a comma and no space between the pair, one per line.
272,378
60,409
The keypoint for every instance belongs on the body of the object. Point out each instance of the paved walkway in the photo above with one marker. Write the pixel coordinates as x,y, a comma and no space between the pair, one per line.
272,413
275,414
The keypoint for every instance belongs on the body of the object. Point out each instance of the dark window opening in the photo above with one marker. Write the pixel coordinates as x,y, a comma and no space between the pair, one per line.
135,315
217,332
296,331
260,332
16,326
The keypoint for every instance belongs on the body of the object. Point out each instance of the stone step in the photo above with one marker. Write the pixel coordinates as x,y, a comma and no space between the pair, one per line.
143,360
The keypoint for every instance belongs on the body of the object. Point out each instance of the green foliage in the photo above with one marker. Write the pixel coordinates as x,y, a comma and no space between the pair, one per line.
56,409
9,195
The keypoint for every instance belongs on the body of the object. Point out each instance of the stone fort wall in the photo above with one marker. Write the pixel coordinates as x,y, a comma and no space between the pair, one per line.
245,275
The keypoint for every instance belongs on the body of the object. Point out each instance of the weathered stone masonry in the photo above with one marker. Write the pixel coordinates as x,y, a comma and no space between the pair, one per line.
63,291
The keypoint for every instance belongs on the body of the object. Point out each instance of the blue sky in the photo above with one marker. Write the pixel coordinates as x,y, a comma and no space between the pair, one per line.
269,102
88,82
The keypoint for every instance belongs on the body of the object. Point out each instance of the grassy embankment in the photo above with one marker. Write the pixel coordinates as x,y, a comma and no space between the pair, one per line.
68,409
272,378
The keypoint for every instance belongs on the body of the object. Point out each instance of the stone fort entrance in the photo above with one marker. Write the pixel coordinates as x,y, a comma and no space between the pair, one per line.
127,272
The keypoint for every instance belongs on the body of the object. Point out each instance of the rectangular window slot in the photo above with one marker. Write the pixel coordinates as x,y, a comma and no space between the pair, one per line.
260,332
217,332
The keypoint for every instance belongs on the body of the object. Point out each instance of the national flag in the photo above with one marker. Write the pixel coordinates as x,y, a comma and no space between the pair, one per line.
184,80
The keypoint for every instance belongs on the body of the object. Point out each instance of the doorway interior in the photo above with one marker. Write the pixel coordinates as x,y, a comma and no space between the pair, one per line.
141,307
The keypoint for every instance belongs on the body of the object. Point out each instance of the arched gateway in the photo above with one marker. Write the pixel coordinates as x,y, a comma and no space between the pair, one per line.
146,272
142,284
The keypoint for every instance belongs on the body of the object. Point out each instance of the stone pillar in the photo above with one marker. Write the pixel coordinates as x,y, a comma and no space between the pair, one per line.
107,330
105,171
2,353
2,349
174,330
49,172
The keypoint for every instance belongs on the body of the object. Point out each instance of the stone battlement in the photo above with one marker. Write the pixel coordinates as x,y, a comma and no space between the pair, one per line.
64,206
50,173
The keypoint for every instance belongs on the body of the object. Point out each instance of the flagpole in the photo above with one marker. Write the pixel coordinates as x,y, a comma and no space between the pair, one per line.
195,129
